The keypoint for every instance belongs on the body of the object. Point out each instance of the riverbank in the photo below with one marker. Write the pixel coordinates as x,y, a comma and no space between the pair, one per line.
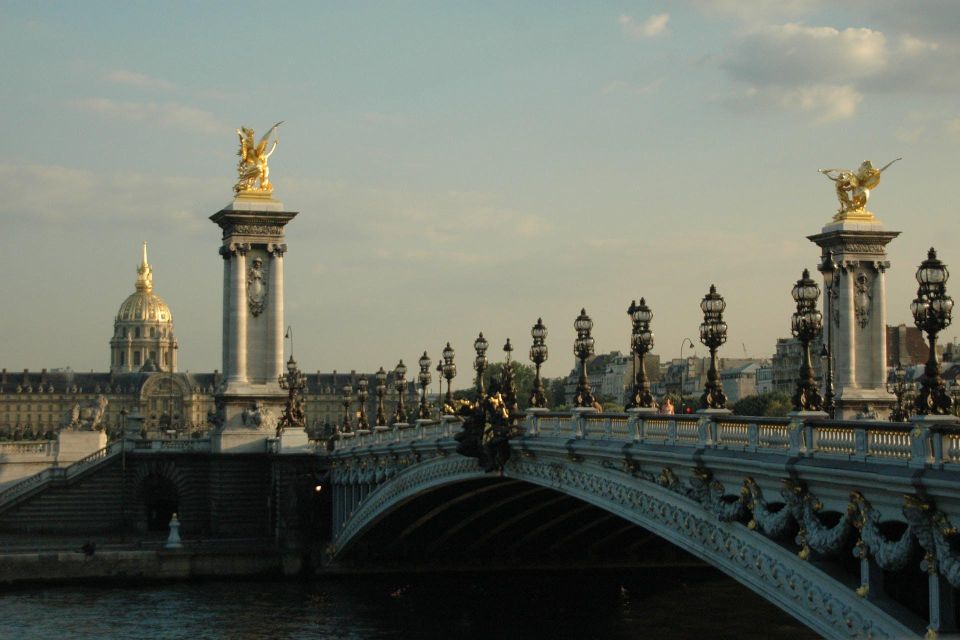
147,565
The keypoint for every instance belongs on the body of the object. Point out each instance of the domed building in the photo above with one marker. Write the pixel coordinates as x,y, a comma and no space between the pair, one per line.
143,337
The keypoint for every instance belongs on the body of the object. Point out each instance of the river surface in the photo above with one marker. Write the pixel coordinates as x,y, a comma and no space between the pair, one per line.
648,603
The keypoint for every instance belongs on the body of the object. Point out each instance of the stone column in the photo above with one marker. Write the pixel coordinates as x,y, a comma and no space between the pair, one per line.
238,313
276,308
848,324
880,352
225,338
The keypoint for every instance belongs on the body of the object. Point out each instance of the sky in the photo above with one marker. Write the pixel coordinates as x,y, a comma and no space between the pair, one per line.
463,167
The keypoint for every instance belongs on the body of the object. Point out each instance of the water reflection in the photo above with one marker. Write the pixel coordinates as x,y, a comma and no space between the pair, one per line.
688,603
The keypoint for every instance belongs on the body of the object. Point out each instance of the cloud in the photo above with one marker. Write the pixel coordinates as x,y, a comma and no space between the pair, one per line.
652,27
139,80
793,54
824,103
169,115
953,126
622,86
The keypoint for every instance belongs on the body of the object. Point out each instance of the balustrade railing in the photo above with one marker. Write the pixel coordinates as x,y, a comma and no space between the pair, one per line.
866,441
29,447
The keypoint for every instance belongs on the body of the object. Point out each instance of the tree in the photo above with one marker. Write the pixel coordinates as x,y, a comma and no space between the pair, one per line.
556,392
774,403
523,377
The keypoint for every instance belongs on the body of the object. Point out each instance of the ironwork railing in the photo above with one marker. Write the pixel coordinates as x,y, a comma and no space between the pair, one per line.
912,444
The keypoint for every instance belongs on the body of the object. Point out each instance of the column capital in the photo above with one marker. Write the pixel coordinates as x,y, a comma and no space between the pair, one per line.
277,249
238,248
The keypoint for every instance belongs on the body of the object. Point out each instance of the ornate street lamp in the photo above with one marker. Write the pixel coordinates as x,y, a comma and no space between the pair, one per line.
508,382
829,270
641,342
713,333
583,349
425,379
362,385
294,382
899,389
449,372
400,379
806,324
538,355
347,401
381,419
480,363
932,314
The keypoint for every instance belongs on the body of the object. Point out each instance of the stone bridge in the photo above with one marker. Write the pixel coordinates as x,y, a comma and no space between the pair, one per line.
845,525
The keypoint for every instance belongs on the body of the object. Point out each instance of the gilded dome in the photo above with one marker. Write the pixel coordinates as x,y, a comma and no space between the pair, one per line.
143,304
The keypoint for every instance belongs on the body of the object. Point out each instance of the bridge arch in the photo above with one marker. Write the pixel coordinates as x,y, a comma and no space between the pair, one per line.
828,606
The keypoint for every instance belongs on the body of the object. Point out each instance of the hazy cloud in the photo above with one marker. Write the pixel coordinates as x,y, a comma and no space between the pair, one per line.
169,115
622,86
139,80
759,11
953,126
650,28
823,103
792,54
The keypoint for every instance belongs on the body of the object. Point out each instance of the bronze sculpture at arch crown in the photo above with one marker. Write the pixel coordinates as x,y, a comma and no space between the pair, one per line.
853,188
252,167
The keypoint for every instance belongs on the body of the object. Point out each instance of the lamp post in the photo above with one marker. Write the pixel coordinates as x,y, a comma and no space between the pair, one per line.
583,349
480,363
713,333
294,382
440,384
400,380
806,324
899,390
424,379
508,382
828,268
932,314
449,372
362,385
641,341
538,355
683,369
347,401
381,419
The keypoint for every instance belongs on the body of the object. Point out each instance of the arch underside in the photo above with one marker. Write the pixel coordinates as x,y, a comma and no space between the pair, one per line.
555,505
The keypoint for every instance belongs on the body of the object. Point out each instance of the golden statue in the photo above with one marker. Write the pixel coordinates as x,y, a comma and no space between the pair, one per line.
252,167
853,188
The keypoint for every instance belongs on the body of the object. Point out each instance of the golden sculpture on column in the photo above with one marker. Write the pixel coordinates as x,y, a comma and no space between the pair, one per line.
252,167
853,189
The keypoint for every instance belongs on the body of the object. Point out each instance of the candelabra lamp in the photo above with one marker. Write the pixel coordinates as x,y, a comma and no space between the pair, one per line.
424,378
400,379
381,419
508,380
583,349
828,268
480,345
713,333
805,325
538,355
362,385
641,342
449,371
294,382
347,399
932,311
899,389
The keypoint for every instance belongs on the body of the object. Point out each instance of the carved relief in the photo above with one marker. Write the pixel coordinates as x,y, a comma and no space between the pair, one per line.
862,298
256,287
259,416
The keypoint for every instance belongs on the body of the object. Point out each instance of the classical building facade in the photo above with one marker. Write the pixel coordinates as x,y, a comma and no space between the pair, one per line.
144,388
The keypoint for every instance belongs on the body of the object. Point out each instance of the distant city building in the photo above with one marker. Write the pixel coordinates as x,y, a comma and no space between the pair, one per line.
907,346
786,361
143,381
611,376
765,379
740,382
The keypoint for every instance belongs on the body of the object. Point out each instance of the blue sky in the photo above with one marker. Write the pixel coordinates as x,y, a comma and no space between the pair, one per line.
463,167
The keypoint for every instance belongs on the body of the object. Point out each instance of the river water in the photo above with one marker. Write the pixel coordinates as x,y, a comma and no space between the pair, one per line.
647,603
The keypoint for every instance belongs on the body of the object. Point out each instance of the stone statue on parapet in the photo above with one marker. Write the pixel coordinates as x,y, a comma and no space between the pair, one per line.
89,417
252,170
853,187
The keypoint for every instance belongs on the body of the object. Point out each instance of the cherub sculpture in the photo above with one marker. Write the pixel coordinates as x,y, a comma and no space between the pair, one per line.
853,187
252,167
